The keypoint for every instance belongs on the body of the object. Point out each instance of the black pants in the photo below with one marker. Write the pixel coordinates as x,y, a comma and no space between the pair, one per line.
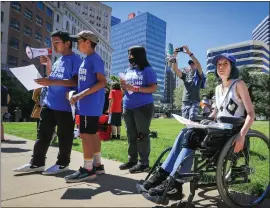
65,129
138,122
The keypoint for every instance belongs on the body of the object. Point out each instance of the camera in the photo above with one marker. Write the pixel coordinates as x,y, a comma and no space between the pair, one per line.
181,49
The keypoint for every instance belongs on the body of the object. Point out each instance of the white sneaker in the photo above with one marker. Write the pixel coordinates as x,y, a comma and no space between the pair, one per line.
55,169
28,168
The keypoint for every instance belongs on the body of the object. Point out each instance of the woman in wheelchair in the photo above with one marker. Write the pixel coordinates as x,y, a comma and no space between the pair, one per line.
232,100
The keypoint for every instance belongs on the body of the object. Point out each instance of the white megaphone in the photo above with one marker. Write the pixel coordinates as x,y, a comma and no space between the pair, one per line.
35,52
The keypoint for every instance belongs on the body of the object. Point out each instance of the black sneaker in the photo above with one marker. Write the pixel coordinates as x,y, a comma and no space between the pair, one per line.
100,170
156,179
159,190
139,168
113,137
118,136
81,175
127,165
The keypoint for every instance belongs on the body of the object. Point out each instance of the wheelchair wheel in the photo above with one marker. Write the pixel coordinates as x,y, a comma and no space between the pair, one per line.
243,179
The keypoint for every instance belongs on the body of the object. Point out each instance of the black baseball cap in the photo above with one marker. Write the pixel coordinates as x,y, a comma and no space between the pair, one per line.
64,35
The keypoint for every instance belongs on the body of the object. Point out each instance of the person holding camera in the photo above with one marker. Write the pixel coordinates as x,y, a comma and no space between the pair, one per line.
193,79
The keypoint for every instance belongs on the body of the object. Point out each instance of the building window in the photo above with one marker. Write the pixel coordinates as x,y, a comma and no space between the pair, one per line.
49,12
57,18
15,24
12,61
16,6
47,42
38,36
48,27
73,30
14,43
27,31
40,5
28,14
2,16
58,4
39,20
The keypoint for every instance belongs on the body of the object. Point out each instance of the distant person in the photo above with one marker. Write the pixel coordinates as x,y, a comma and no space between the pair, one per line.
18,114
193,79
106,103
138,107
5,99
115,109
206,106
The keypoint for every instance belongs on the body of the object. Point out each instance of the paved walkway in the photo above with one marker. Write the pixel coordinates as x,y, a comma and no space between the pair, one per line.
114,189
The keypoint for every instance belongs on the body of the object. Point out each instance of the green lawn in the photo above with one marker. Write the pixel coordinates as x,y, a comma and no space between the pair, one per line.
167,130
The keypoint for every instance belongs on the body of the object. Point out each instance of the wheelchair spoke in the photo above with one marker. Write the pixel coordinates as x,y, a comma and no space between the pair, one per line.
246,174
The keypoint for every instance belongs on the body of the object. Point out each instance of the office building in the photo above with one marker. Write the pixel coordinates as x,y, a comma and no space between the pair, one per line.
148,31
77,16
262,31
115,21
29,24
253,54
5,7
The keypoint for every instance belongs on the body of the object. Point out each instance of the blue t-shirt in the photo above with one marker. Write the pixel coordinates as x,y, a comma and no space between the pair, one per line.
64,68
141,78
91,105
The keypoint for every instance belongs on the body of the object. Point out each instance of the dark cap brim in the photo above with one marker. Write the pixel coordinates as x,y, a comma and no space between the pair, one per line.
74,37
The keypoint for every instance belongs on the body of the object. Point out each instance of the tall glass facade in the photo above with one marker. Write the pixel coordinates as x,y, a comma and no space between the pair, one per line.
115,20
148,31
251,54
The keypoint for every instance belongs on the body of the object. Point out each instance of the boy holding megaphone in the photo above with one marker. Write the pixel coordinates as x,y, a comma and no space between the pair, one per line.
62,78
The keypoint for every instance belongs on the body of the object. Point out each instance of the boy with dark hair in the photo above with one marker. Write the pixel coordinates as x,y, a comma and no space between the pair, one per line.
63,76
90,98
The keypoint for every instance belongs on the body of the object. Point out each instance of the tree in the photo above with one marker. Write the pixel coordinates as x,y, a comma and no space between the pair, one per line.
211,83
177,97
115,78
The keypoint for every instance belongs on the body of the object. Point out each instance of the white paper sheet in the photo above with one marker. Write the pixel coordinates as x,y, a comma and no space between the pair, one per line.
122,76
191,124
70,94
26,75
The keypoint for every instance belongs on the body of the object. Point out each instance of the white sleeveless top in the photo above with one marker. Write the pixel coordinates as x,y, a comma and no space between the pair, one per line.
232,106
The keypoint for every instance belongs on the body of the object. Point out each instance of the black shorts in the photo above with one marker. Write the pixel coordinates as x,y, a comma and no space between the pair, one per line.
115,119
89,124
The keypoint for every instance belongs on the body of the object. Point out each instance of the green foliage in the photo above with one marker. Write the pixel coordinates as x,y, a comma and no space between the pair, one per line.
211,83
177,97
19,96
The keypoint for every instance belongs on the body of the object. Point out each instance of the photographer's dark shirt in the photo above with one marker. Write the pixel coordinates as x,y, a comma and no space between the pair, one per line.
4,96
191,91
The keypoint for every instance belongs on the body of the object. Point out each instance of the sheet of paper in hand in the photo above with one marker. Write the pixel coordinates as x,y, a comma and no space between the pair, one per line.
70,94
191,124
27,75
122,76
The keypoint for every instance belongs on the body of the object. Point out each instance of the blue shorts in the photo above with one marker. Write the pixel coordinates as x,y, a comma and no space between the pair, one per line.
190,110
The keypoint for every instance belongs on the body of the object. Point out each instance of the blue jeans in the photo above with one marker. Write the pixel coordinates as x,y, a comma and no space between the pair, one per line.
190,110
177,155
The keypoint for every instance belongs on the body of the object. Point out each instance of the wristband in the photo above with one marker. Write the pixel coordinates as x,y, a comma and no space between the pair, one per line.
191,54
136,89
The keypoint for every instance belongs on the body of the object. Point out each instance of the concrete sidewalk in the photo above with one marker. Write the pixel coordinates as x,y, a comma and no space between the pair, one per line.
114,189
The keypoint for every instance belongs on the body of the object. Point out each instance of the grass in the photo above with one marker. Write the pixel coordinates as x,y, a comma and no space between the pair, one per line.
167,130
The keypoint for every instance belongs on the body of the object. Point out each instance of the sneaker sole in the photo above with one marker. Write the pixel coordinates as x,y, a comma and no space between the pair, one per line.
81,180
100,172
140,171
29,171
54,173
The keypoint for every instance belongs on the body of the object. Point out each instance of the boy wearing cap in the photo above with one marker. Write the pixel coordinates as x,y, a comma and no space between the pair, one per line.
56,110
193,80
90,98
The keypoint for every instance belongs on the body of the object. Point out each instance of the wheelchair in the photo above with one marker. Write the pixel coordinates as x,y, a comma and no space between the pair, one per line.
236,175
